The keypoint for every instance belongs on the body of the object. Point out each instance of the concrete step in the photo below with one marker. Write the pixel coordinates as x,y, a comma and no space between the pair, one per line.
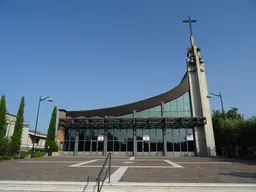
35,186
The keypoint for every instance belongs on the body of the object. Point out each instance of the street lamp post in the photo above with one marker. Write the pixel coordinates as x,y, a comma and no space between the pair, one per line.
38,109
221,101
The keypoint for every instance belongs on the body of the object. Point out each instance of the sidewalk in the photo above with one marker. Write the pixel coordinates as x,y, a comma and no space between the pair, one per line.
36,186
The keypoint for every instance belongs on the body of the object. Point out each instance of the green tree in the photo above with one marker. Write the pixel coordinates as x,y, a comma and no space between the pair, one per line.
2,118
3,141
5,146
226,129
51,134
233,114
234,134
16,137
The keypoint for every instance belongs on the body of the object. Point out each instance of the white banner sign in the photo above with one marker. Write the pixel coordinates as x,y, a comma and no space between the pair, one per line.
100,138
190,137
146,138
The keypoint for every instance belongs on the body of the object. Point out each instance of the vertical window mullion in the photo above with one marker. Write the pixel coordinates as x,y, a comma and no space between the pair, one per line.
68,145
179,140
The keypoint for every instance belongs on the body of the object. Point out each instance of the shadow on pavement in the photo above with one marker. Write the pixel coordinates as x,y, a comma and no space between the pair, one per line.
241,174
233,160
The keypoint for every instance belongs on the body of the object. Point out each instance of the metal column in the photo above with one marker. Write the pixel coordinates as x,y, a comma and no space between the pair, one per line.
76,142
164,131
134,136
164,140
105,140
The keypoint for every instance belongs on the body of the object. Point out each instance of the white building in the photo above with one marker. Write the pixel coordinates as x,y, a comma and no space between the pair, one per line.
27,136
40,139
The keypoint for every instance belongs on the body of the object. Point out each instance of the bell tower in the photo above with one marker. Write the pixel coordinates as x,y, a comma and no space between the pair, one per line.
204,135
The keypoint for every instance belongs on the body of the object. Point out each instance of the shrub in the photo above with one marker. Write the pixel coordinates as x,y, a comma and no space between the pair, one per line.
23,154
15,157
6,157
53,146
38,154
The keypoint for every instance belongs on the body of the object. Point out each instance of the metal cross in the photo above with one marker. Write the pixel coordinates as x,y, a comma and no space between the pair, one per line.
190,24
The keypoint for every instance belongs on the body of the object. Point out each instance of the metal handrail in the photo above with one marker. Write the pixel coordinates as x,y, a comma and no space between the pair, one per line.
88,181
107,172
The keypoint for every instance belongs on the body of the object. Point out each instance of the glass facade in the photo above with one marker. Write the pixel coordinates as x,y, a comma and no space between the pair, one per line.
177,141
129,141
179,107
153,112
154,146
120,140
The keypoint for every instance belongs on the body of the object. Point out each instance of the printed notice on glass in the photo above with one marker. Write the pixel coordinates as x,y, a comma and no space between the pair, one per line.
100,138
190,137
146,138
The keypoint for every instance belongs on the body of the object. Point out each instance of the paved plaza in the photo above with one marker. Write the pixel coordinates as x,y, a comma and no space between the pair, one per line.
158,170
139,169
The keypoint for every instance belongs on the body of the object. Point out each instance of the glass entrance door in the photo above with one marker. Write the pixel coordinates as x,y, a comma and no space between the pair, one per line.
153,146
146,148
120,141
143,148
97,148
100,150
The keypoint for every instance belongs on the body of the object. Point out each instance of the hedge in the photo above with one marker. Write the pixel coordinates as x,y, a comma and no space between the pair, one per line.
5,157
22,155
38,154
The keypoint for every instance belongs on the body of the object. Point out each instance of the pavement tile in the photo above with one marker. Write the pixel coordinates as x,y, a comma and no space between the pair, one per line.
233,173
12,170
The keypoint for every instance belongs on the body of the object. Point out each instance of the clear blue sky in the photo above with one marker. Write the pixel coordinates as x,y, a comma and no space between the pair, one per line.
94,54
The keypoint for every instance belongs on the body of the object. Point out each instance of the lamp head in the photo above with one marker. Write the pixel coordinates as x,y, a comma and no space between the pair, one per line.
209,96
50,99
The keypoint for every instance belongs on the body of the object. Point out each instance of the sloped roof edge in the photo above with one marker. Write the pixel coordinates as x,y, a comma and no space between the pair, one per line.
170,95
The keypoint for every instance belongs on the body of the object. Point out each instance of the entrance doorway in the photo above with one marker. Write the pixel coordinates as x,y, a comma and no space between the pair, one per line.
97,148
120,141
143,148
150,148
150,142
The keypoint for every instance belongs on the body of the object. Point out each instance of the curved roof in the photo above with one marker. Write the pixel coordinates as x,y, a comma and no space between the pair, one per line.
170,95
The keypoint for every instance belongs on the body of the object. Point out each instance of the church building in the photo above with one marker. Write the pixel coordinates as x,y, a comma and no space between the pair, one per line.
175,123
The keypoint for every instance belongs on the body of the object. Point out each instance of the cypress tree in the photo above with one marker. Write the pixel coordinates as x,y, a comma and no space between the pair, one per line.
51,134
2,119
16,137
